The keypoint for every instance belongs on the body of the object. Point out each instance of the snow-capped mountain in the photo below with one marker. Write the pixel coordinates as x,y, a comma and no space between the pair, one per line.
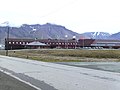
51,31
97,35
115,36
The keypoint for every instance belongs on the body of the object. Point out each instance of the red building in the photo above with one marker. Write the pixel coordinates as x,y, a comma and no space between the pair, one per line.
12,43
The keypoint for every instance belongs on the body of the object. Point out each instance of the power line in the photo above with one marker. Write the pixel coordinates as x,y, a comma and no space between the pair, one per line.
59,9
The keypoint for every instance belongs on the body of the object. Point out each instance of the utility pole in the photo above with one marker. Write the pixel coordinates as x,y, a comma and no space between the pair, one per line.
7,41
6,24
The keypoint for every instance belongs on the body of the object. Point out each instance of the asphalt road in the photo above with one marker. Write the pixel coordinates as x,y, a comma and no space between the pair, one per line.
50,76
9,83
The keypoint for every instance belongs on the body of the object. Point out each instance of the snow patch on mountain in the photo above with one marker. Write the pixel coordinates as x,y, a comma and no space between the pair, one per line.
97,35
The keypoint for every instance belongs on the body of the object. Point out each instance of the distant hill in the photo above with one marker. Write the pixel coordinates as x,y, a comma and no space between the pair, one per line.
38,31
115,36
50,31
97,35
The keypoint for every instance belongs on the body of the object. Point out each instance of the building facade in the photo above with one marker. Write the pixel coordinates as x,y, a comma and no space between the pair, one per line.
12,43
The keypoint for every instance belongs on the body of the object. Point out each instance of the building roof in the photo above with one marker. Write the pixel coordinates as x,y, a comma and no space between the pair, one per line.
36,43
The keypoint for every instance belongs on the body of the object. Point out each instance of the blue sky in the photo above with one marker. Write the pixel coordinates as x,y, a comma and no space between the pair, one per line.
77,15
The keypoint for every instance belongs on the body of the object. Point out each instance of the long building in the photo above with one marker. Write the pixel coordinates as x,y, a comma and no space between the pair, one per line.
13,43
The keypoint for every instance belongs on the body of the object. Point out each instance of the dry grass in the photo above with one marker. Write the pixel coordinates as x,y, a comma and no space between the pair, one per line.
62,55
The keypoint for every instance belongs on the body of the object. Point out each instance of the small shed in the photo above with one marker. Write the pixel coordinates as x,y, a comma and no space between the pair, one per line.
35,45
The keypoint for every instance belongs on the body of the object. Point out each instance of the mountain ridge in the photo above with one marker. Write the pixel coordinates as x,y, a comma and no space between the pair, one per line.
51,31
44,31
97,35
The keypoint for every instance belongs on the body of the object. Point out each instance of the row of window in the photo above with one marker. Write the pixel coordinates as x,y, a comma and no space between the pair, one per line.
62,43
19,43
98,44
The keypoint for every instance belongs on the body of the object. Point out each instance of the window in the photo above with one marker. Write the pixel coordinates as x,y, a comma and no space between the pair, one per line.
23,42
9,42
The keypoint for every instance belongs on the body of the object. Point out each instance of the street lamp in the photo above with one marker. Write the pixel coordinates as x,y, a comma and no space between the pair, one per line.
66,43
74,38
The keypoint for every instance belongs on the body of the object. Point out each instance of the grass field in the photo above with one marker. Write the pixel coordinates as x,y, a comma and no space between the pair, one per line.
69,55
